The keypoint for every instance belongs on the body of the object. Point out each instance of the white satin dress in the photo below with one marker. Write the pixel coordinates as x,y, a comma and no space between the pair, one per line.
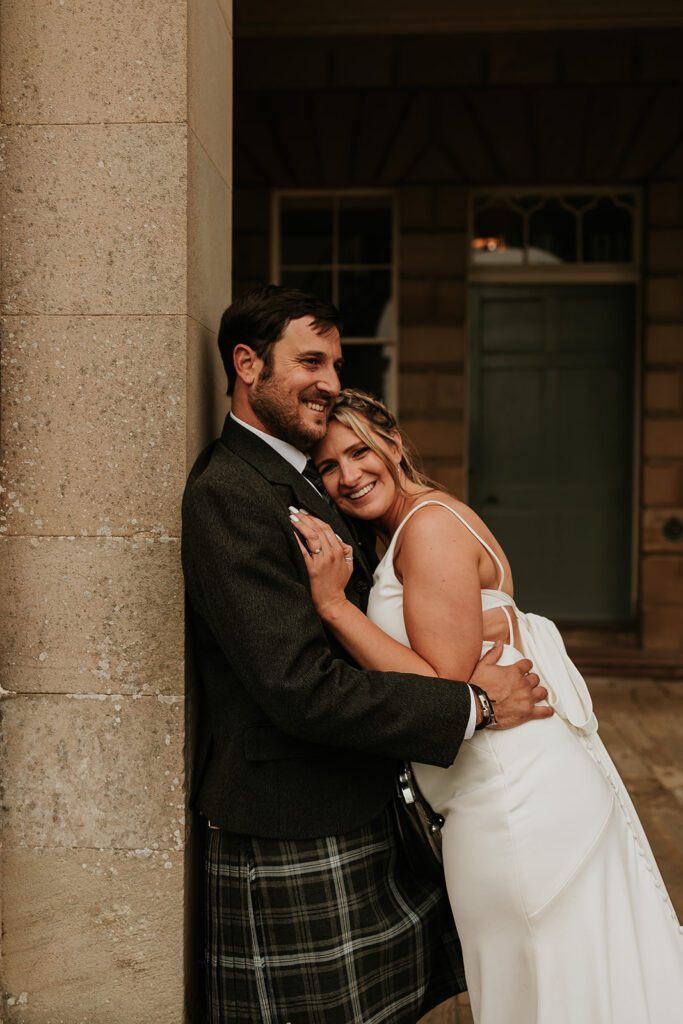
561,910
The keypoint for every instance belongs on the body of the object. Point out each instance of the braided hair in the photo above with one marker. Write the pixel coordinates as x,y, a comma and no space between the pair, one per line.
369,419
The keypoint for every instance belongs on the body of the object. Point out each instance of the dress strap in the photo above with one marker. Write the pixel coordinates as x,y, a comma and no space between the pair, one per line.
467,526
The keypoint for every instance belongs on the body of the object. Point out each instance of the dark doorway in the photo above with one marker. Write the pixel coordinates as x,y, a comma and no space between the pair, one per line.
551,441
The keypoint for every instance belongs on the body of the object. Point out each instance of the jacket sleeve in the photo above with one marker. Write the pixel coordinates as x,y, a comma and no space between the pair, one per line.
246,577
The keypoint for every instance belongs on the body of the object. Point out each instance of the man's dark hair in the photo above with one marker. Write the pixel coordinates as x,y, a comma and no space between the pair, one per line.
260,317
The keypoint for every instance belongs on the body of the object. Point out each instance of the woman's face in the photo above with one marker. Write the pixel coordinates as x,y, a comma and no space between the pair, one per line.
356,478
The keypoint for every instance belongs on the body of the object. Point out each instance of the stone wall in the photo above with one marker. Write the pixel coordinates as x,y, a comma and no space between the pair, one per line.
116,195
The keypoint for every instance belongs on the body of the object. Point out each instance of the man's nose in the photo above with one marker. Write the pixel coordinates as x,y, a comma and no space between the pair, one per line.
329,382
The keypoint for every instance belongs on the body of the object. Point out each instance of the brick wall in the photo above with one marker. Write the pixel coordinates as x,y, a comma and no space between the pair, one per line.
662,444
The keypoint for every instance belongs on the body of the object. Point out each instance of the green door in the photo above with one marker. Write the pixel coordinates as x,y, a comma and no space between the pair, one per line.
551,441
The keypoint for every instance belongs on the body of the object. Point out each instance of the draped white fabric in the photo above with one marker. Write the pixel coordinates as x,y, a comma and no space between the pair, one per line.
562,912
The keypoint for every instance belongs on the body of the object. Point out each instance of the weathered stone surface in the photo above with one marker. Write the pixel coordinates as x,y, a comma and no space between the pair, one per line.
665,204
662,581
664,344
665,249
91,615
662,628
93,771
663,484
209,106
93,936
93,424
664,391
225,7
436,254
435,345
208,245
87,61
652,528
207,403
416,207
415,392
435,438
665,298
664,437
111,201
451,476
451,207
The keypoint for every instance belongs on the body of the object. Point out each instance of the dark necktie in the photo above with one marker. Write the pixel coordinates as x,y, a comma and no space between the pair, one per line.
313,477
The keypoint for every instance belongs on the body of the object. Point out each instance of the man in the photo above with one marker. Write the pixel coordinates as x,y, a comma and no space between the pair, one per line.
312,914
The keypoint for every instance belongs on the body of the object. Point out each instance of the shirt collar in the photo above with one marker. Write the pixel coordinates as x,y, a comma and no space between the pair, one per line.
293,456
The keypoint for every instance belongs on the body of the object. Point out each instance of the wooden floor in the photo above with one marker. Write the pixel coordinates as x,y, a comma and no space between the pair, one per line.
641,724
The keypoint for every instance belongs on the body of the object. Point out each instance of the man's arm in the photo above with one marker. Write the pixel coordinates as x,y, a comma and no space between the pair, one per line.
246,577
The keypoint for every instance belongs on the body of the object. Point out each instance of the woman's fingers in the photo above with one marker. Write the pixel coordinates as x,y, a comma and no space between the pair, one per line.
304,550
306,529
318,534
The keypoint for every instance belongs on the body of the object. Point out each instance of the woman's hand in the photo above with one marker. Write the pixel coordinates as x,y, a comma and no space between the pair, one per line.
328,559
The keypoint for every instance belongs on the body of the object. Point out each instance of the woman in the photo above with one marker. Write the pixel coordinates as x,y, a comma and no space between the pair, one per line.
561,910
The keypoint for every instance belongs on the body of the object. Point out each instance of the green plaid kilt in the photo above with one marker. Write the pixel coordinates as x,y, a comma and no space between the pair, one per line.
336,930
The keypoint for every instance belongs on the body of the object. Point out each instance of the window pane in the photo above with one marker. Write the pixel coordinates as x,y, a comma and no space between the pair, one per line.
552,234
607,233
365,231
365,303
365,367
315,282
498,235
306,231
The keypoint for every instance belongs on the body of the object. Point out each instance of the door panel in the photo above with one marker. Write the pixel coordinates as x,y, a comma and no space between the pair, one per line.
551,457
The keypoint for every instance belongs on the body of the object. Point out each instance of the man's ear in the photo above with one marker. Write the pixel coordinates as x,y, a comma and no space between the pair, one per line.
247,363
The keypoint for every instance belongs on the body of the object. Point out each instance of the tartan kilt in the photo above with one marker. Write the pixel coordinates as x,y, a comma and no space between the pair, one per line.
334,930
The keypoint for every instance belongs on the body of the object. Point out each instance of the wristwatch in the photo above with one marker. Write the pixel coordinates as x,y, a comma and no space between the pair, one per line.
488,715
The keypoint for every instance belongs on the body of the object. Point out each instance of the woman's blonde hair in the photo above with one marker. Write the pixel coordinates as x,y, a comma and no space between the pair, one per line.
369,419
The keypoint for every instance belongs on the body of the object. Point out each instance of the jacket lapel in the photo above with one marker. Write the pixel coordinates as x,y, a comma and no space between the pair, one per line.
297,490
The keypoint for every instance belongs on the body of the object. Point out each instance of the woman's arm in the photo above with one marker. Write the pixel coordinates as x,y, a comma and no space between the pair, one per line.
438,562
442,606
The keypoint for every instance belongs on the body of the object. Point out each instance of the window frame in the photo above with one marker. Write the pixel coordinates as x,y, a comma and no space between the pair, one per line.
390,344
570,273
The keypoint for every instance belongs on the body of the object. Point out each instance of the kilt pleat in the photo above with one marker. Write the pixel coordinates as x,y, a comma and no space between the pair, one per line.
334,930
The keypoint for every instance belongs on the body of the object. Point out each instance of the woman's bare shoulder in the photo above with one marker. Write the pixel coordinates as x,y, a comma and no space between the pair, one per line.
433,522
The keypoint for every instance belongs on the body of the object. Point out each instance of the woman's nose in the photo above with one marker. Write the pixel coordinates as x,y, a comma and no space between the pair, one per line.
349,474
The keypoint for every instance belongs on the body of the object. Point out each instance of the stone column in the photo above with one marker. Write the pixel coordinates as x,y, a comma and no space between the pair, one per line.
116,198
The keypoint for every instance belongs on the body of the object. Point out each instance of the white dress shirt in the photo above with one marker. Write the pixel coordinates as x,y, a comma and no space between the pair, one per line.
297,459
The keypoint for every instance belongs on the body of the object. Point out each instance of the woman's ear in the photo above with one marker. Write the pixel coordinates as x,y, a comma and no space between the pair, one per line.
398,442
246,363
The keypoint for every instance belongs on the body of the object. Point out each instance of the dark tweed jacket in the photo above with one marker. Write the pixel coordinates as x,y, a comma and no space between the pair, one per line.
292,739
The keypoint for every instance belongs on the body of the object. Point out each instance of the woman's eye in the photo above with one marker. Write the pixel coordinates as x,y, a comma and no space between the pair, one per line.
359,451
325,469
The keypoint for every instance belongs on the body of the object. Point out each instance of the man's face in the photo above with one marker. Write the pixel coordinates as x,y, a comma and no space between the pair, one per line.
292,399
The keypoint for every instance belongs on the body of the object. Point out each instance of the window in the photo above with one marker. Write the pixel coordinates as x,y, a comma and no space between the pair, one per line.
570,228
340,247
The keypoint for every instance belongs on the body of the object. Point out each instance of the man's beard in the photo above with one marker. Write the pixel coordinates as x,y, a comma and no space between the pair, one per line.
281,420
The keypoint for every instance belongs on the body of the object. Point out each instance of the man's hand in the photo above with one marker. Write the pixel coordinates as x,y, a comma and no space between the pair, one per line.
514,689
